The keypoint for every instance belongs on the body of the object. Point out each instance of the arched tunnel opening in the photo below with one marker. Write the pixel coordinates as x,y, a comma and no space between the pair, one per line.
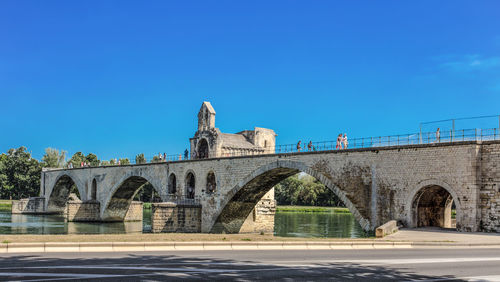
305,207
64,190
434,206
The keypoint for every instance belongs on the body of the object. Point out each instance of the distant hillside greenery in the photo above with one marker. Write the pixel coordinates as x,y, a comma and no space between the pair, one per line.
305,190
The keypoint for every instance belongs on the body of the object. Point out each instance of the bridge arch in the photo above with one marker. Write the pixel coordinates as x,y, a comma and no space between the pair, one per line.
429,204
59,194
116,206
243,197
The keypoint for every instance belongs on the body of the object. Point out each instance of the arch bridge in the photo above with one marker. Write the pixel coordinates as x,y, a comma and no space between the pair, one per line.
418,185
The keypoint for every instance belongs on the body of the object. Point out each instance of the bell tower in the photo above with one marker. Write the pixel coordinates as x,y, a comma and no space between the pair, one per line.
206,117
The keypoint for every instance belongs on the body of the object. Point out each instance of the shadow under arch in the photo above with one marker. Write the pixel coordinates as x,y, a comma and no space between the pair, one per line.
59,195
437,197
243,197
119,201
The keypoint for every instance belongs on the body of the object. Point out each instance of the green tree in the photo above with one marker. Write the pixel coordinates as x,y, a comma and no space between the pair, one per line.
77,159
305,190
54,158
140,159
112,162
19,174
125,161
92,160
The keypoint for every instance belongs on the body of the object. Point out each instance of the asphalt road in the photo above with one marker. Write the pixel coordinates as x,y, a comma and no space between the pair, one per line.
309,265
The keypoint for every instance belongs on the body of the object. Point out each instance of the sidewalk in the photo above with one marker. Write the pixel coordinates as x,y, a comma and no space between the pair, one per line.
424,238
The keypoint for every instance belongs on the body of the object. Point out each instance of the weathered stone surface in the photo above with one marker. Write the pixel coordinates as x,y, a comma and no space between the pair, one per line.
376,184
29,205
171,217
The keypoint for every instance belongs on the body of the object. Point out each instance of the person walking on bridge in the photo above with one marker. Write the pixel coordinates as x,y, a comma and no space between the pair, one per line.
309,146
344,140
299,147
339,142
438,135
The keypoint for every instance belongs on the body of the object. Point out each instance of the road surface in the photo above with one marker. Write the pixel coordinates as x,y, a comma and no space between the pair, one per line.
282,265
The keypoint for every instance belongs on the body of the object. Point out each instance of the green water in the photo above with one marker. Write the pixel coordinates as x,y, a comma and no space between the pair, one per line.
287,224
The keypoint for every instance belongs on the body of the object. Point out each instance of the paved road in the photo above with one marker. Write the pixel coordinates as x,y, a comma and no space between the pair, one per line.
356,265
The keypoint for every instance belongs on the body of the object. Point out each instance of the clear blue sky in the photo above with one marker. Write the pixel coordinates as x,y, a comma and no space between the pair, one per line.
118,78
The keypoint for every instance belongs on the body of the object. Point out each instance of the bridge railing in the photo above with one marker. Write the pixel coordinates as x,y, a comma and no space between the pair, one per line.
444,136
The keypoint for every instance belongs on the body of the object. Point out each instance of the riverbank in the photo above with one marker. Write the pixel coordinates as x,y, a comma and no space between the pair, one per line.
413,238
5,205
306,209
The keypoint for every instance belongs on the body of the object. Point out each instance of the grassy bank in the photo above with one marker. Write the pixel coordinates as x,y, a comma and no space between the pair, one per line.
306,209
5,205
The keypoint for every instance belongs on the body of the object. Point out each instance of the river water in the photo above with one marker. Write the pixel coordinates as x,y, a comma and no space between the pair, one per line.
287,224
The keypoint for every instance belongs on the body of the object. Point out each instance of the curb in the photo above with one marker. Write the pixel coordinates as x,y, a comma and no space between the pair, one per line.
52,247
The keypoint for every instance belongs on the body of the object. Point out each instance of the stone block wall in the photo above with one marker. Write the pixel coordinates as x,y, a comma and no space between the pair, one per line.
171,217
261,219
29,205
82,211
135,212
489,195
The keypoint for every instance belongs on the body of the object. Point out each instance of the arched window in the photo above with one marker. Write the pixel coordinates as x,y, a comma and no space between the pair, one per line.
93,192
211,183
172,184
203,149
190,185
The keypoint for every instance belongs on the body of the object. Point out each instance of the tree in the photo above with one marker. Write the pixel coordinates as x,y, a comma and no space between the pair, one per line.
156,159
92,160
19,174
125,161
77,159
305,190
112,162
54,158
140,159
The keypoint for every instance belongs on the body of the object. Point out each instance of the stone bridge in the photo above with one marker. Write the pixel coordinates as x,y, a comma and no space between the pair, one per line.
417,185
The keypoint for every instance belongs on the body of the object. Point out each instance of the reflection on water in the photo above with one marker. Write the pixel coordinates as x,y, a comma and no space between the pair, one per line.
55,224
325,225
286,224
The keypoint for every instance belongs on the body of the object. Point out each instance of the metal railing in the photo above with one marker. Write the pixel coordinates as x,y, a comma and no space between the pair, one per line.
444,136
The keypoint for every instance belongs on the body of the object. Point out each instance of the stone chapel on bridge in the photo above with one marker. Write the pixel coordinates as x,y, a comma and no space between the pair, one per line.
210,142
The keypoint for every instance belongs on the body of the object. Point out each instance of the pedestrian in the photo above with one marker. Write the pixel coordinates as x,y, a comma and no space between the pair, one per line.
299,147
438,135
159,156
339,142
119,163
81,164
344,140
164,156
186,154
309,146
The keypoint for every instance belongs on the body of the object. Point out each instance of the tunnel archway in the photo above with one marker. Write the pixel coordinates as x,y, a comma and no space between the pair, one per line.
202,151
432,207
250,190
119,203
60,194
172,184
190,185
